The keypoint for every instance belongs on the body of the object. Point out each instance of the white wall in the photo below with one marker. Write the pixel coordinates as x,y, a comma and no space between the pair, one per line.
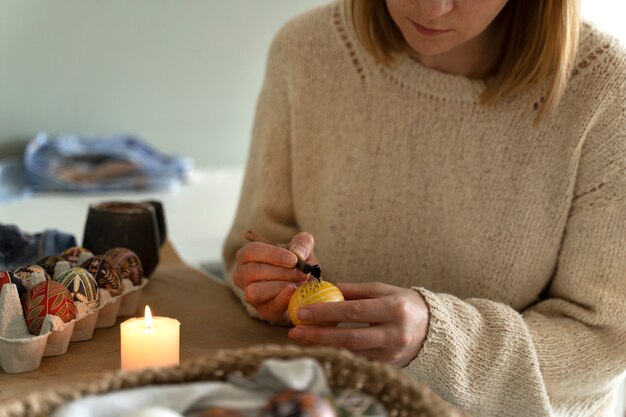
183,74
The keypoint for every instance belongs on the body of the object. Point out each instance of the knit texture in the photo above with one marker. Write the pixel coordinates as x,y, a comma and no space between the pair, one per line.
515,234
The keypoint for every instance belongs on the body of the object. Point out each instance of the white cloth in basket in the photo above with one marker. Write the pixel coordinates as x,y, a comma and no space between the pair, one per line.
246,395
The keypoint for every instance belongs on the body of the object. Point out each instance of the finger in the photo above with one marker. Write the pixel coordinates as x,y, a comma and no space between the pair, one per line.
260,292
277,306
366,290
302,244
256,252
376,310
254,272
402,308
362,338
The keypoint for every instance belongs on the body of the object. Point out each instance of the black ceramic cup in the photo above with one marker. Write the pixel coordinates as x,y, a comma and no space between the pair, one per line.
134,226
160,215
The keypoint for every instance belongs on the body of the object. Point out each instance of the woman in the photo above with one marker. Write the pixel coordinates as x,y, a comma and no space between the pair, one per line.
460,168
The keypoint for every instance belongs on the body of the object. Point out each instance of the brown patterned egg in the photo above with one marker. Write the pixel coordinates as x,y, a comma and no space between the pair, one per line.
31,275
290,403
82,286
48,263
312,292
127,264
105,274
48,297
76,255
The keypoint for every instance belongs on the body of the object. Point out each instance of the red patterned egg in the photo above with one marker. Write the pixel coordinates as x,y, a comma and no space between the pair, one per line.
82,286
31,275
76,255
48,263
127,264
7,277
290,403
312,292
105,274
47,297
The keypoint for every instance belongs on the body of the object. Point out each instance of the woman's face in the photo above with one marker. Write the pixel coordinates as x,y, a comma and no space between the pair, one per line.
434,27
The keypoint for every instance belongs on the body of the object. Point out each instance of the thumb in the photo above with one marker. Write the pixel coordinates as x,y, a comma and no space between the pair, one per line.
302,245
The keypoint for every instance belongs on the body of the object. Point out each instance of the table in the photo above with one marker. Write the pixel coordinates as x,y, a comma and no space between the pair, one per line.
211,318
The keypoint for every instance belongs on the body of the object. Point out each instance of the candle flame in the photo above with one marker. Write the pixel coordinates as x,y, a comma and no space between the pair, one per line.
148,318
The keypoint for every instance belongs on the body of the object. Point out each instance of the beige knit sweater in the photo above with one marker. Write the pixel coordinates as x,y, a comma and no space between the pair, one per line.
515,234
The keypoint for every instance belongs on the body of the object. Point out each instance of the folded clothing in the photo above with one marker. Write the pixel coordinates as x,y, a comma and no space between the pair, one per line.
18,248
99,162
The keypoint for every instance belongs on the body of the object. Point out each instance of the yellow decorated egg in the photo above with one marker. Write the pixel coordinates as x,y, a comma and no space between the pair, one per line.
312,292
82,286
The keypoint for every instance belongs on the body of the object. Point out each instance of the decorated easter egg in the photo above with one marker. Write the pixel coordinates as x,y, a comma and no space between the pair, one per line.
48,263
48,297
7,277
82,286
31,275
105,274
312,292
76,255
127,264
290,403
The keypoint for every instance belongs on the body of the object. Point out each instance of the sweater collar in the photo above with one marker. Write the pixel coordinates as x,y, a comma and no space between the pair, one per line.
411,74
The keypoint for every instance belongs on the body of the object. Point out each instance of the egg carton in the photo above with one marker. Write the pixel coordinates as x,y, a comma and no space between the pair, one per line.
22,352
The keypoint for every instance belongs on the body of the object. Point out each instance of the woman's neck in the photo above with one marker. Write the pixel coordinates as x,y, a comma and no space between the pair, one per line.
477,58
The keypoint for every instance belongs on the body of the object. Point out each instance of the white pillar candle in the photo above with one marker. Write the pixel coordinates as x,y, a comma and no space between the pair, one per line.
149,342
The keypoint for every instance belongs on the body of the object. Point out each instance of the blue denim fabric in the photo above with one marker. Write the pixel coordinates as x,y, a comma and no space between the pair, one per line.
46,156
18,248
12,179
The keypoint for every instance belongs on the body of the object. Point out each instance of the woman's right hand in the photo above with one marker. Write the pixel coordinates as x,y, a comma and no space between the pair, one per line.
268,277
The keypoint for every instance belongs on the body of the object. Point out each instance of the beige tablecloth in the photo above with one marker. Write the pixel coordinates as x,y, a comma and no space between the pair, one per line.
211,318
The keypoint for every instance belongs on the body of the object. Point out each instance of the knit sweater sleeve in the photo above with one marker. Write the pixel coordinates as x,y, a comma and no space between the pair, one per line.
265,198
555,356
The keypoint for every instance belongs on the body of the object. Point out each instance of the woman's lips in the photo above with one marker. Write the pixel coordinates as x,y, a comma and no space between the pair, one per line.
428,31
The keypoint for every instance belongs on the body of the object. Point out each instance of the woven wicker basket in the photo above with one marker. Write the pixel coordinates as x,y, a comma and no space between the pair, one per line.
398,393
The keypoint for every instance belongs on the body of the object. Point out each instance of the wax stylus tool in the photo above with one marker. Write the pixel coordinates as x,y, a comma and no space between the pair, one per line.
314,270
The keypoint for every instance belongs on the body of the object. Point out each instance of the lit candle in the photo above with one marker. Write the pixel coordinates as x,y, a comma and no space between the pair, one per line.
149,341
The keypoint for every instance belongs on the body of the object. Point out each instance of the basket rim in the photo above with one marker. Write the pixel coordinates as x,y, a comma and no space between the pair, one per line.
400,394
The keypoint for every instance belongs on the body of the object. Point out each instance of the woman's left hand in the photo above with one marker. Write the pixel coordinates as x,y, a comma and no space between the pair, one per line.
397,317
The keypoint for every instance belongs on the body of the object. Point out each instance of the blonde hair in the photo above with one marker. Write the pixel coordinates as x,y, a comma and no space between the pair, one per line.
541,38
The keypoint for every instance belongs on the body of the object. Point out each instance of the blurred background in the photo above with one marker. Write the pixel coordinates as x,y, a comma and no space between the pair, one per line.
183,75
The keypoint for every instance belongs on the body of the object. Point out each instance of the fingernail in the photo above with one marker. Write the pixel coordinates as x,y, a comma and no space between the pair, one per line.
287,259
296,333
299,250
305,314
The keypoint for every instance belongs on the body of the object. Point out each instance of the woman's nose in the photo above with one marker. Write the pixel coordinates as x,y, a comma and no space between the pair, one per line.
432,9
